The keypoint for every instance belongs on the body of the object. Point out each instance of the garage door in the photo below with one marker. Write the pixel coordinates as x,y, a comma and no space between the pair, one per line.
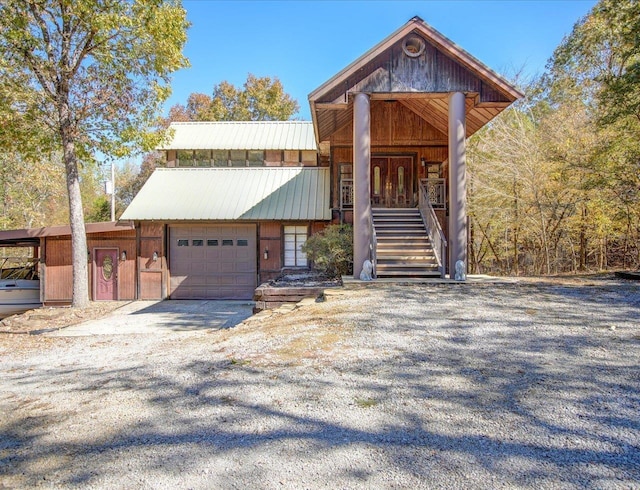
212,262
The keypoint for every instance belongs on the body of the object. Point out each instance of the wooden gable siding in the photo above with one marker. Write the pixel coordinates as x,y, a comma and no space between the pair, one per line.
431,72
58,283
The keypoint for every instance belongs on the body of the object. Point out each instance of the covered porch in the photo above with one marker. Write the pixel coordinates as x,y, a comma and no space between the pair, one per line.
393,127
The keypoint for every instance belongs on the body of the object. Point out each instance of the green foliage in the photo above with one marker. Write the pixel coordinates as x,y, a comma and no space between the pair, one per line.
100,210
601,59
101,66
331,250
260,99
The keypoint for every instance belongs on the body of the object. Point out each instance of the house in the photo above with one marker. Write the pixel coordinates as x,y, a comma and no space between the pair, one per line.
385,151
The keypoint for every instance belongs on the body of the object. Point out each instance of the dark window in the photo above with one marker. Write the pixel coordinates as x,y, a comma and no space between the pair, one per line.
226,243
197,243
255,158
220,158
243,243
183,243
238,158
212,243
185,158
202,158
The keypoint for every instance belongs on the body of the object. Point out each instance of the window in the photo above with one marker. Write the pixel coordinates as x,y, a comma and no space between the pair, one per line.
238,158
197,243
183,243
202,158
376,180
400,180
433,170
220,158
227,243
294,238
185,158
243,243
212,243
255,158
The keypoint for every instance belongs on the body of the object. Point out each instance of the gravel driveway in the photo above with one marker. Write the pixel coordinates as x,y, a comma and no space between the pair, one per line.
447,386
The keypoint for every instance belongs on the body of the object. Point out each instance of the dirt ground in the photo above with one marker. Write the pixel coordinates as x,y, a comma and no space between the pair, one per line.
531,383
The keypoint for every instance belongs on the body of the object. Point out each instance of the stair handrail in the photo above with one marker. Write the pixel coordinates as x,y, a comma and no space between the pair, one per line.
373,246
431,223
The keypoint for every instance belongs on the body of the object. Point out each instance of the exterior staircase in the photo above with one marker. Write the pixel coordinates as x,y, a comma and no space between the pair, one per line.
403,249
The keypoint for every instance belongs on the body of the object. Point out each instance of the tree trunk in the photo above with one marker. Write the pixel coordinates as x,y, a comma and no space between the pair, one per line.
583,239
79,251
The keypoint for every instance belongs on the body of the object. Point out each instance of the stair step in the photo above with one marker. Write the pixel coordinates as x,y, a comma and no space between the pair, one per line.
398,222
401,238
394,256
404,246
400,227
405,265
434,273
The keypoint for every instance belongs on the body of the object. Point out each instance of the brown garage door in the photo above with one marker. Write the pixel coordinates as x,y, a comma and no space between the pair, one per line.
213,261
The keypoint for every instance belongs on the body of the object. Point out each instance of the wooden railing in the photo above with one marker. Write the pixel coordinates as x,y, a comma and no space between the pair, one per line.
373,246
437,191
436,235
346,193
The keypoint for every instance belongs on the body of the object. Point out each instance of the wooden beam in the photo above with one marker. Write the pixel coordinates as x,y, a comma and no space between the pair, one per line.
408,95
331,106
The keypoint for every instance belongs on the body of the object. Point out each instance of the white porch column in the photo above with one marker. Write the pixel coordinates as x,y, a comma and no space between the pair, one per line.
457,182
361,181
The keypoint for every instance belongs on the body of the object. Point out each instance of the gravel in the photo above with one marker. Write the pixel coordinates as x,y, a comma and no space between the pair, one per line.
521,385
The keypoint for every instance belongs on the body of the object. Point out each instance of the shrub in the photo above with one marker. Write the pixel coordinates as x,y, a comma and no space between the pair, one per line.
331,250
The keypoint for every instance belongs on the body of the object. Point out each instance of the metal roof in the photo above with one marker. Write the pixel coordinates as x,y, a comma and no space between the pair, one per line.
265,193
242,135
31,236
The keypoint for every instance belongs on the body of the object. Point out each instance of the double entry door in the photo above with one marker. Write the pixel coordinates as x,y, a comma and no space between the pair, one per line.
392,181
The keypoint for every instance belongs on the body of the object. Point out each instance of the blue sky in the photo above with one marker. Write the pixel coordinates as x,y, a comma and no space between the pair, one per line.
304,43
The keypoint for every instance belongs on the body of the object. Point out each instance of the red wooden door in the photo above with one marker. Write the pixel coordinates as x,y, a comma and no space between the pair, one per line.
392,182
106,276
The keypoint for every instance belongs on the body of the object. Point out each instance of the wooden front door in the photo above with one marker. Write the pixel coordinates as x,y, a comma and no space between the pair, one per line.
392,182
106,276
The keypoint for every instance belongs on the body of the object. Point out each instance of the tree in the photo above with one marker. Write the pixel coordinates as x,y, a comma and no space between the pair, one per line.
603,53
599,64
91,75
260,99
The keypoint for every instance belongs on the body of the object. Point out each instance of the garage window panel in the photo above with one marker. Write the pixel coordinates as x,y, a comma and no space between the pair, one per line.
294,238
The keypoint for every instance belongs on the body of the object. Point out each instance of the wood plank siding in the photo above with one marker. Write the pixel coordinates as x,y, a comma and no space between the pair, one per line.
58,285
152,275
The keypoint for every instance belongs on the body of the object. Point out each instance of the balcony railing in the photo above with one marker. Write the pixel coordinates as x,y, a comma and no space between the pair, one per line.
346,194
436,189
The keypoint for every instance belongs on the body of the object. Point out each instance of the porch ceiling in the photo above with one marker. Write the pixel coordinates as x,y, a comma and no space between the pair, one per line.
433,108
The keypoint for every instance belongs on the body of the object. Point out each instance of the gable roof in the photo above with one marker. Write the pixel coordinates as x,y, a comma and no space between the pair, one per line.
442,67
242,193
241,135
